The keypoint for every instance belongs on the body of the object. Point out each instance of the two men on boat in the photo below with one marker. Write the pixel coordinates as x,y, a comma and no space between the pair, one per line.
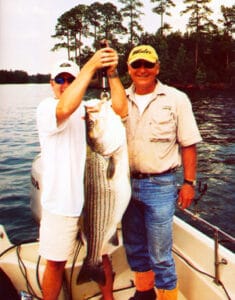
162,134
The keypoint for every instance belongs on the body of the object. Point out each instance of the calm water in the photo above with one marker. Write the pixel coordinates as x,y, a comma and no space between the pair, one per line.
215,114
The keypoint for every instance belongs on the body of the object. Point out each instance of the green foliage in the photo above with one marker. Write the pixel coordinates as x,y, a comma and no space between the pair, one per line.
228,19
204,54
163,8
185,58
199,11
200,76
22,77
132,11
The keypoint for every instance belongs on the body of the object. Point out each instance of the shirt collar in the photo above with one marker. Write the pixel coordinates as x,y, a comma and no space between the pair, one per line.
159,90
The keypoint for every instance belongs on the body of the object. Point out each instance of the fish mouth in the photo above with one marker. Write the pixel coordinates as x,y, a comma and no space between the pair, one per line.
91,272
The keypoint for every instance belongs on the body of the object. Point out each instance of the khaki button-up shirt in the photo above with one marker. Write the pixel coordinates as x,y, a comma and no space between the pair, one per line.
155,137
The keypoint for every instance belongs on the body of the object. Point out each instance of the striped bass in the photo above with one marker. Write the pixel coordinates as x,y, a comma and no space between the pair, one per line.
107,186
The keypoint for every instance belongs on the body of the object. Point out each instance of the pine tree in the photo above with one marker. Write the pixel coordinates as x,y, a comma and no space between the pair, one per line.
162,9
132,10
199,22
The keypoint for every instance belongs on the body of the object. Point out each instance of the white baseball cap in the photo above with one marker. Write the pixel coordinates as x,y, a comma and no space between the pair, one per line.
65,66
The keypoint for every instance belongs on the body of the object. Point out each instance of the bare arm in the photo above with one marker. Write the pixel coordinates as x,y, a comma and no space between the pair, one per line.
118,95
189,160
73,95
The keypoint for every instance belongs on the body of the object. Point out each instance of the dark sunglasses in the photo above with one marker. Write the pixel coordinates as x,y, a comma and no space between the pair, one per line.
139,63
62,80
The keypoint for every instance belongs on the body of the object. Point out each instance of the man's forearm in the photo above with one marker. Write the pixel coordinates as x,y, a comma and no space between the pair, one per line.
118,96
189,160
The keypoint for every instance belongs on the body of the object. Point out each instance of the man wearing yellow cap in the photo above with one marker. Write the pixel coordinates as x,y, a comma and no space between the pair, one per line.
162,134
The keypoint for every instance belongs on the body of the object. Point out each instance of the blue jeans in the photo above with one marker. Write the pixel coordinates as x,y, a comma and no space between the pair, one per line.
147,228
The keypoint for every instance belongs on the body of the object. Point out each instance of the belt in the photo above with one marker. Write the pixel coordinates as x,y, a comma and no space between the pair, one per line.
139,175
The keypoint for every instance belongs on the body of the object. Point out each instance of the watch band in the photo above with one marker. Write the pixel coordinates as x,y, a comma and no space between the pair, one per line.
113,75
190,182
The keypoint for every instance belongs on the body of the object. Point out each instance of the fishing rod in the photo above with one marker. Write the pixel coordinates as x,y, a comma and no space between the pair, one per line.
194,214
105,95
202,188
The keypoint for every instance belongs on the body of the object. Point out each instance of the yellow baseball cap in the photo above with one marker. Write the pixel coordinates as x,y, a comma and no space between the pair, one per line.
144,52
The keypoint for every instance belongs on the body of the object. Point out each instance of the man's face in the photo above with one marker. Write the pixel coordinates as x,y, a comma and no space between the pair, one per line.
143,73
60,83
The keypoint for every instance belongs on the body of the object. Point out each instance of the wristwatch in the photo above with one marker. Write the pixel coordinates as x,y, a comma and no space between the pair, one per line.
190,182
113,75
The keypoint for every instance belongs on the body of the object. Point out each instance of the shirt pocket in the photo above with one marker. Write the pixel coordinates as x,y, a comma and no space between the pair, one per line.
162,127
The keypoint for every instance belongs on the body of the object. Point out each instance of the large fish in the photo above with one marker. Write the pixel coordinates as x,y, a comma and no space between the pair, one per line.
107,185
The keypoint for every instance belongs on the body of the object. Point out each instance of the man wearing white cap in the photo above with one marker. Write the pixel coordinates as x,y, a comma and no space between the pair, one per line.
161,134
61,126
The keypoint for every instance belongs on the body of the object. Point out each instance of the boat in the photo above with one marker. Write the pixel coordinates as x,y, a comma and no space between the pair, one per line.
205,268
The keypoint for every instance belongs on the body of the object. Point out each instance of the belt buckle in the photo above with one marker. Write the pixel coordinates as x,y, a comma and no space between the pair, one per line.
141,175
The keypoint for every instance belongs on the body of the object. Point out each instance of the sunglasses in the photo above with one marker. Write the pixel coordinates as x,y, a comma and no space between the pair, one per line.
62,80
139,63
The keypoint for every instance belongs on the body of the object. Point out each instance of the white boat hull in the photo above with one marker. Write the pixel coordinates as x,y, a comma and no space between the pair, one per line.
193,246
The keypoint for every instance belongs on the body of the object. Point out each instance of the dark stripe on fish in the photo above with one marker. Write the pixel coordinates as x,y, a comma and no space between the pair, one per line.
97,215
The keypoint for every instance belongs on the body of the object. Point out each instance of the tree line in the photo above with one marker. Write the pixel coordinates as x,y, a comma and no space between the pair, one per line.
19,76
203,54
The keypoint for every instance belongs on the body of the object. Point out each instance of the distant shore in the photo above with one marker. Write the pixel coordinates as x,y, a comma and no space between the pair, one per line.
204,86
21,77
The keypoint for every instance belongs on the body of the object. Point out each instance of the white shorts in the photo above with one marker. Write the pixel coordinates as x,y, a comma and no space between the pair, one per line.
57,236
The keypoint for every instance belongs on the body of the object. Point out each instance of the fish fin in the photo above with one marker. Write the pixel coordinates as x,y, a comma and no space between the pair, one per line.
114,239
111,168
90,272
81,237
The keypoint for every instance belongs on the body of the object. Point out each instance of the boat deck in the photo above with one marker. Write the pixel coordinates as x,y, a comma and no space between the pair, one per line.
193,253
127,293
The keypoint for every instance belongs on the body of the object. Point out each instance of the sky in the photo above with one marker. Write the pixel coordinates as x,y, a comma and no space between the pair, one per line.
26,27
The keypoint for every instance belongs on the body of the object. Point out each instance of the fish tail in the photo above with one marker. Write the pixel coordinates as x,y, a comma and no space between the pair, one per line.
91,272
114,239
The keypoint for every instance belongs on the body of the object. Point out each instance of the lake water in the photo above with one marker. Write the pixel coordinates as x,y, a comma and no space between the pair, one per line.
215,114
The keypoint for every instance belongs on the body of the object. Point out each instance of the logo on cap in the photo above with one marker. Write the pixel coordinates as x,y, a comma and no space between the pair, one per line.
65,65
144,52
